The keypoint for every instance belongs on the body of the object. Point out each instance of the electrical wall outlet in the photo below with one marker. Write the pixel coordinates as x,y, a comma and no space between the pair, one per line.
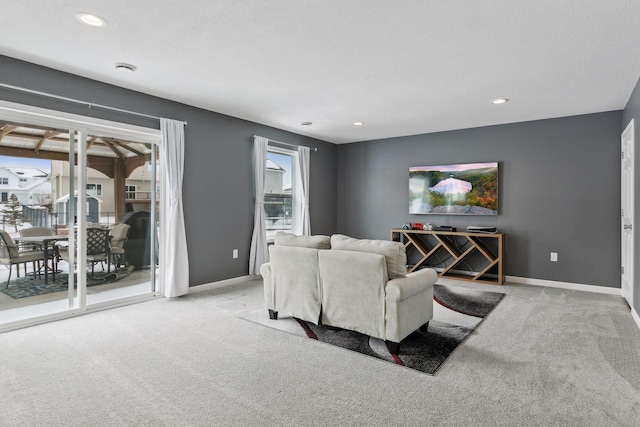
554,256
235,253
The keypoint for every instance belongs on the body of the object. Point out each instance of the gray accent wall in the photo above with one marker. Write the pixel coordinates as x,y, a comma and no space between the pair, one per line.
218,183
632,111
559,180
559,191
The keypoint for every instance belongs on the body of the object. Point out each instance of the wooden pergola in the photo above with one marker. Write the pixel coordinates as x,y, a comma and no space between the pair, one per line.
116,158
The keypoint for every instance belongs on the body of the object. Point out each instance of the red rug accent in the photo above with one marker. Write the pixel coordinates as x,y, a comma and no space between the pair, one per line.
396,358
307,329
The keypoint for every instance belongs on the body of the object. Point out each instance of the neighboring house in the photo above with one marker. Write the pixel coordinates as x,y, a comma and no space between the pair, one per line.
138,188
273,180
31,186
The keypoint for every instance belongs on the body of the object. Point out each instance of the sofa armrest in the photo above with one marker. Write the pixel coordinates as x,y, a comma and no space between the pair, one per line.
410,285
294,287
265,271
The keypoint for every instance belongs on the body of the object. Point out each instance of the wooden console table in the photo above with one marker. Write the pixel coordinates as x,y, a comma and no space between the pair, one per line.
475,257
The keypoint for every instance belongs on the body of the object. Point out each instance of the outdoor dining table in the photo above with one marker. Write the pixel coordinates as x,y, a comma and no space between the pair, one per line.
44,241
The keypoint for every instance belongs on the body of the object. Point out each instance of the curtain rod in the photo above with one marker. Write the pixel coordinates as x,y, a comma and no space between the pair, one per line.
285,143
77,101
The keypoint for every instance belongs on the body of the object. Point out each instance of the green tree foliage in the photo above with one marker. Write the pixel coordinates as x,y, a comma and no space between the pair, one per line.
485,192
12,212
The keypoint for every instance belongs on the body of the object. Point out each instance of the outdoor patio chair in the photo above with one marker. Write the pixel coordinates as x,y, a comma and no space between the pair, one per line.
97,248
33,232
11,255
37,232
119,233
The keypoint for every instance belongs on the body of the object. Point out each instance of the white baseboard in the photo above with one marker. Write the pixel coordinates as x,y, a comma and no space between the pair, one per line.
39,320
224,283
635,316
512,279
564,285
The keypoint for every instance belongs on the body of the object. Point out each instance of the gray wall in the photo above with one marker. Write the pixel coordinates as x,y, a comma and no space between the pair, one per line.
559,186
559,191
632,111
218,182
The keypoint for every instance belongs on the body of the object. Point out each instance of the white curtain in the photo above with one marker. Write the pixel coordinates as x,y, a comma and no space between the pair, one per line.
259,254
176,260
302,222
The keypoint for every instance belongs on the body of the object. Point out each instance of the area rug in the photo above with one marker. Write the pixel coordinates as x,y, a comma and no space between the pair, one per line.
24,287
457,312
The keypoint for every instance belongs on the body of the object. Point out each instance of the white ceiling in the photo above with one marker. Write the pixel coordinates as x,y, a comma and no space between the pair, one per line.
401,66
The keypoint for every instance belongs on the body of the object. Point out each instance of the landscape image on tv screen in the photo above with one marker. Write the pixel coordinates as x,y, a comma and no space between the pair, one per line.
462,189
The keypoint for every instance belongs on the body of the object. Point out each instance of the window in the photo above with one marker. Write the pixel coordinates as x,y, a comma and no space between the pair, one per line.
278,190
5,196
4,181
94,189
131,191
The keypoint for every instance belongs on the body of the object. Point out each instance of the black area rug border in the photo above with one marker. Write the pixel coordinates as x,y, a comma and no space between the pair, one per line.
449,291
394,359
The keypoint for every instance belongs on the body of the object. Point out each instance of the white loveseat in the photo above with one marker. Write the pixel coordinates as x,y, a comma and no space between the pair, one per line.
356,284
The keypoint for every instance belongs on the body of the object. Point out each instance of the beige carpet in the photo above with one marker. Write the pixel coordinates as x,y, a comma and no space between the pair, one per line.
543,357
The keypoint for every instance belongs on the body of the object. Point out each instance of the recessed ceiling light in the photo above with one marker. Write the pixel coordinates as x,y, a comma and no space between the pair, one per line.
125,67
306,123
91,19
358,123
500,100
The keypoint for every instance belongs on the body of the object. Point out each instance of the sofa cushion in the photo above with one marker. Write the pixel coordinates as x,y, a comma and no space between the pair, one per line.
313,242
394,252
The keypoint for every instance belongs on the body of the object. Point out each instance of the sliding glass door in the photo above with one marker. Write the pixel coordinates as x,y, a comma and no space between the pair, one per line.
32,229
87,193
128,207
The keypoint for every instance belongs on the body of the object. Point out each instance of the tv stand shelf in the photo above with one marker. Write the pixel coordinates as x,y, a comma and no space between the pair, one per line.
474,257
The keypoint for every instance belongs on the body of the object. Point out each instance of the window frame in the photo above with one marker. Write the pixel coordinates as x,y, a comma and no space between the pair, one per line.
79,126
96,187
294,165
128,191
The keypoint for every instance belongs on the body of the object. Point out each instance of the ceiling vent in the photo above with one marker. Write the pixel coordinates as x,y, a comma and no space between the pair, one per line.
125,67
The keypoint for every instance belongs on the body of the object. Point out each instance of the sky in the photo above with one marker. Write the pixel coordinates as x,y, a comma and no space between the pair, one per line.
23,162
454,168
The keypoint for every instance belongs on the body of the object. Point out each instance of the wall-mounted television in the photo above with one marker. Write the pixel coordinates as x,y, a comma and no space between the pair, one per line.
460,189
